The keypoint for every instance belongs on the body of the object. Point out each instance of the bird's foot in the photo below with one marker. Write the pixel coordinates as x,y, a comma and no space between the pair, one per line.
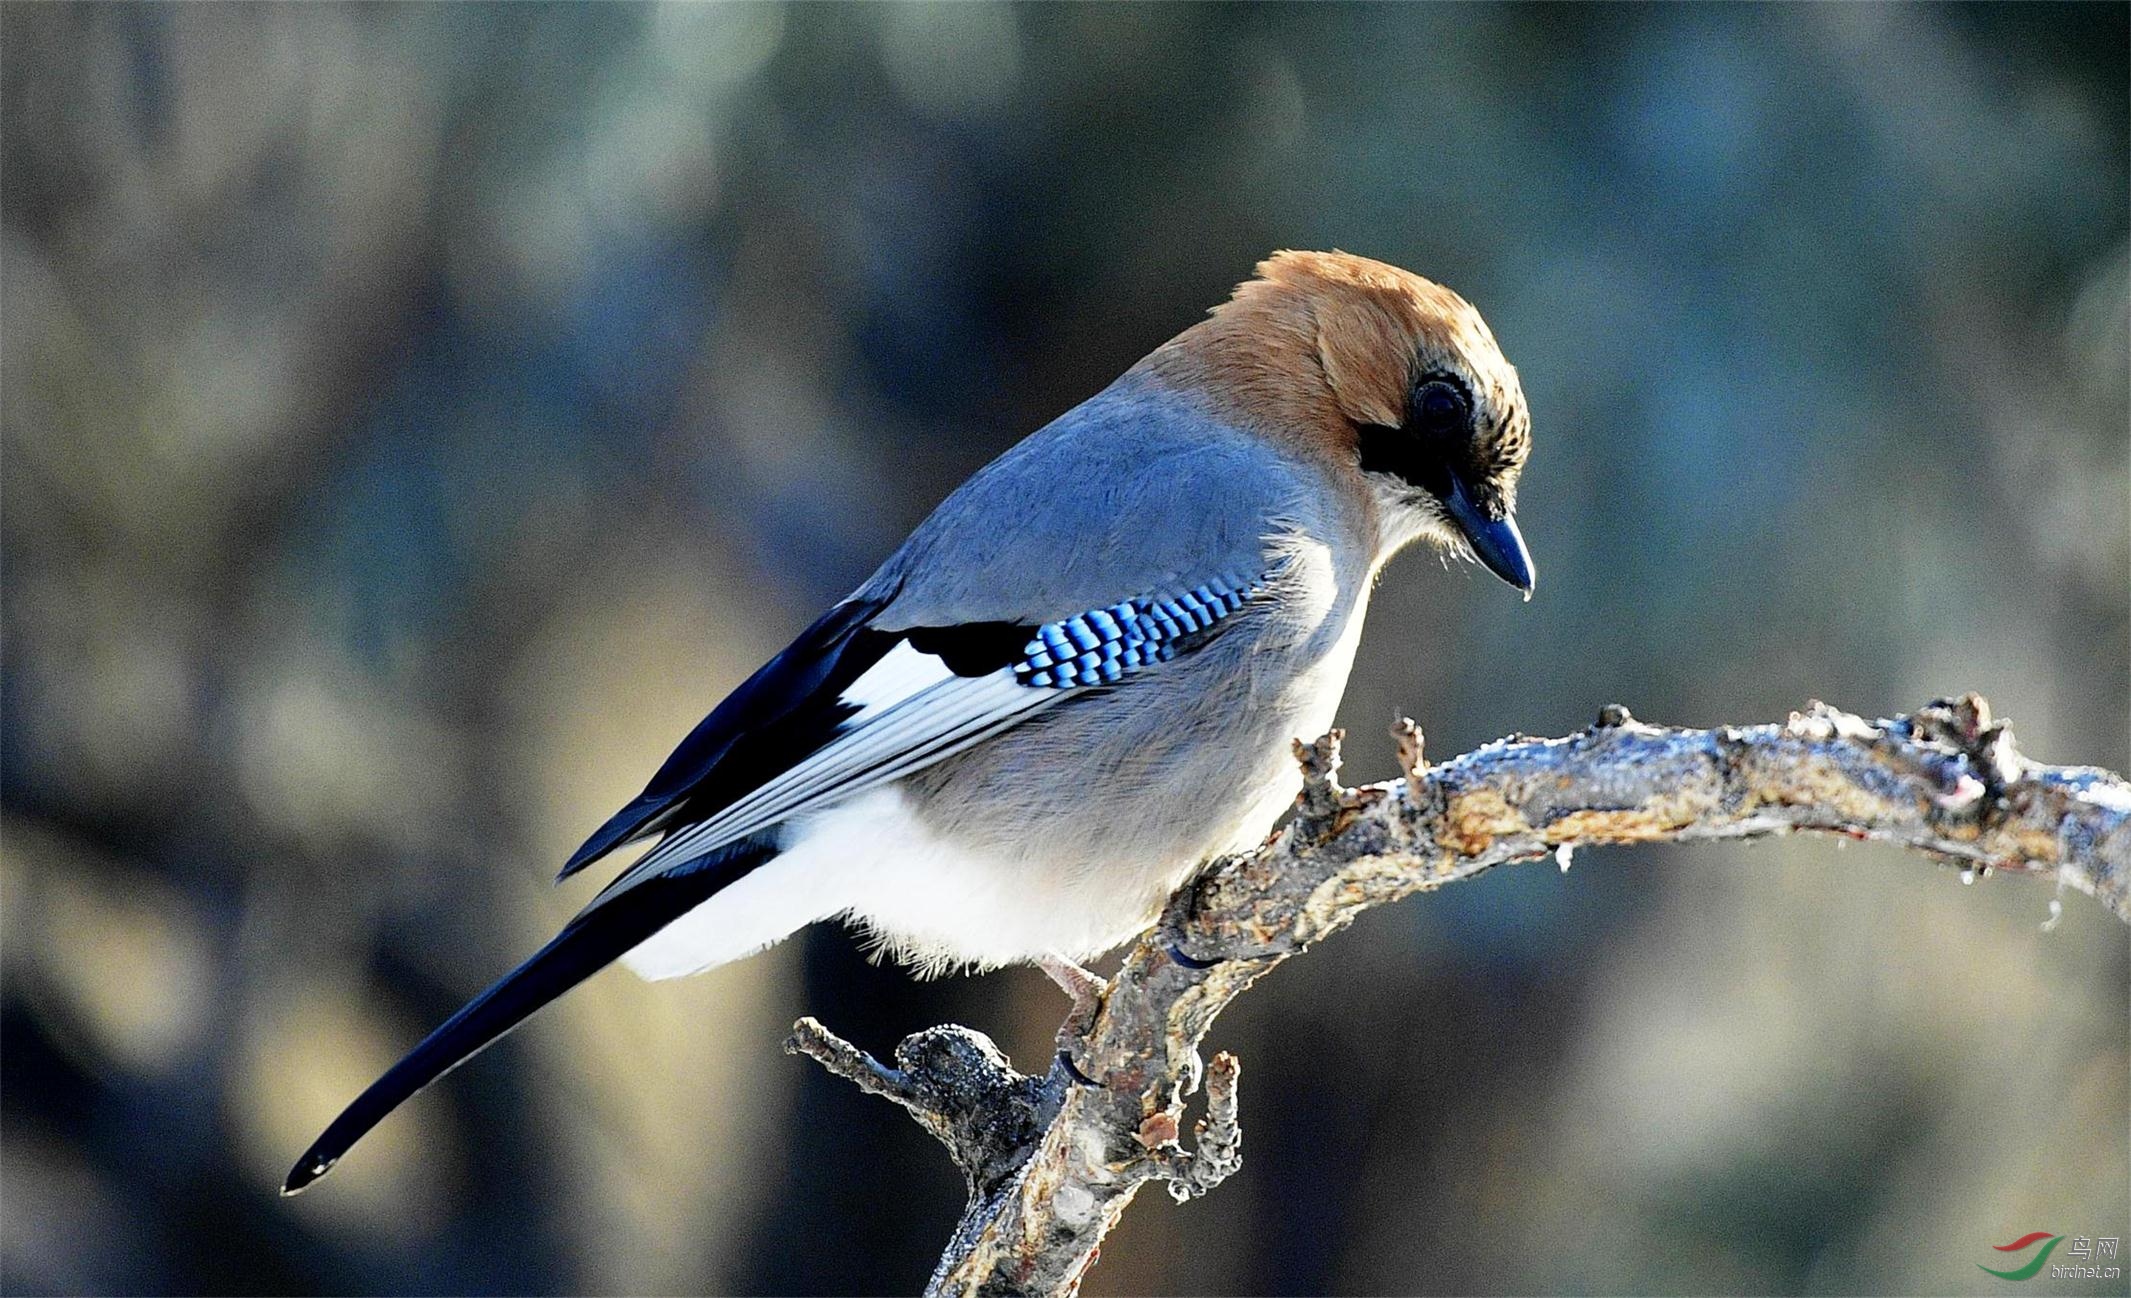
1087,991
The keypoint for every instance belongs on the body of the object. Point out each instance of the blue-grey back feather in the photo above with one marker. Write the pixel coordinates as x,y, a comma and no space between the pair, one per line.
1138,491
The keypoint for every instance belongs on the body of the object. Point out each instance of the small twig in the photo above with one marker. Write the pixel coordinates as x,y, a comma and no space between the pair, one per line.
855,1066
957,1084
1412,755
1322,797
1218,1137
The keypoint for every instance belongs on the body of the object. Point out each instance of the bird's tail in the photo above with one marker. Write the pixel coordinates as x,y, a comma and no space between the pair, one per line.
590,942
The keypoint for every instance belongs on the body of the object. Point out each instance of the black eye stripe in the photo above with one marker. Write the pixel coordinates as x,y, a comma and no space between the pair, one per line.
1441,434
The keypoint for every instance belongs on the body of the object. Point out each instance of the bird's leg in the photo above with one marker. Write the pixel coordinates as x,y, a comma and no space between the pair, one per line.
1087,990
1083,986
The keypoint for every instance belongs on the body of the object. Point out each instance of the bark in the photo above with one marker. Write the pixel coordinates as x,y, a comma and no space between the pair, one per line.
1052,1161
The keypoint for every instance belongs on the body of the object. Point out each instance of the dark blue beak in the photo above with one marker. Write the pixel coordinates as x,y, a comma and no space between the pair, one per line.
1496,541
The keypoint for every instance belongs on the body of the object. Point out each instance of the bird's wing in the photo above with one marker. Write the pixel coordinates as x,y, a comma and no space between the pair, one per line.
939,690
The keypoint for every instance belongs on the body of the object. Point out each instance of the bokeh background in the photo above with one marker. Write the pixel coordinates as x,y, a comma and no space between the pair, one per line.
417,417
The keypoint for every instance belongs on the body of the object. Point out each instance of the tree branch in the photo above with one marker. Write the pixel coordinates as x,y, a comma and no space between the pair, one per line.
1053,1161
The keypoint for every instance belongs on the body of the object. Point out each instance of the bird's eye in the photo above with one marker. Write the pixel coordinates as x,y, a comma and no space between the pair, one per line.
1439,408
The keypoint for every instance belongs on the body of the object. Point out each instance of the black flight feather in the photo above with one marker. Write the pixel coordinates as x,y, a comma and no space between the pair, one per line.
781,713
590,942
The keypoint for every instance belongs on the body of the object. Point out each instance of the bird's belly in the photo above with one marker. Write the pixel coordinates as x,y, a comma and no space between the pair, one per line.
940,904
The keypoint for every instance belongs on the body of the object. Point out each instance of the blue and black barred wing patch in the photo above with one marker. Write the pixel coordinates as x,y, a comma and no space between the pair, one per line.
938,691
1105,645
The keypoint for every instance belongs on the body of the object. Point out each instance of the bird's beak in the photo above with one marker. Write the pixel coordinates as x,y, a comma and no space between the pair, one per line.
1496,541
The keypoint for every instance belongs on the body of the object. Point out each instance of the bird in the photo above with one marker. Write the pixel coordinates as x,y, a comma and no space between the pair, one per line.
1078,680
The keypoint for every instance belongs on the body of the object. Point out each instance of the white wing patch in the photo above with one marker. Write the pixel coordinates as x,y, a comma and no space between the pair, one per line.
899,675
912,712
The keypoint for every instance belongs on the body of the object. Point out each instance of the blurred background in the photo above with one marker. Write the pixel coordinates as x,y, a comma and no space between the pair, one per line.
417,417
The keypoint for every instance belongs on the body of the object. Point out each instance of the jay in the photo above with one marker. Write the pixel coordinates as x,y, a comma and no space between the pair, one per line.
1079,679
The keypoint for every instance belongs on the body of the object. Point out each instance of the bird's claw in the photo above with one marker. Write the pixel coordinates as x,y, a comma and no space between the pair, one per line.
1072,1070
1176,953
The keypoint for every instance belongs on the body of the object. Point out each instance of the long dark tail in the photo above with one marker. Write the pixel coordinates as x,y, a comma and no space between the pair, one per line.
587,944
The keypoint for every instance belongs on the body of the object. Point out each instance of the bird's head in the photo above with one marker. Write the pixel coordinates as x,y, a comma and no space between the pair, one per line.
1391,376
